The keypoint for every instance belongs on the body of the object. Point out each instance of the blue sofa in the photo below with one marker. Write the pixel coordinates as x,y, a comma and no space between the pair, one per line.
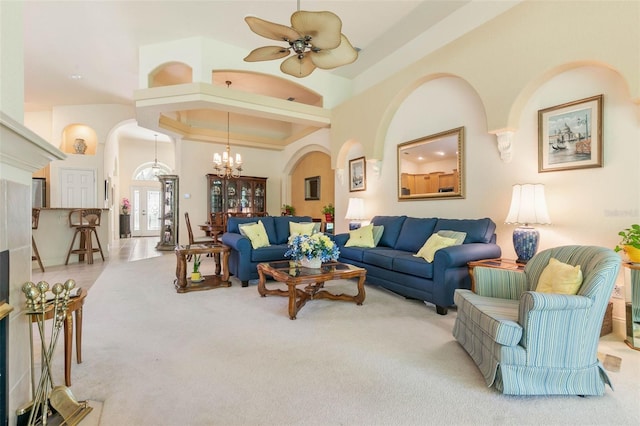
243,258
391,263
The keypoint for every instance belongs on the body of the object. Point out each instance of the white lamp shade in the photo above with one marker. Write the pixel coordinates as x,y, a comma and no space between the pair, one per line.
355,210
528,205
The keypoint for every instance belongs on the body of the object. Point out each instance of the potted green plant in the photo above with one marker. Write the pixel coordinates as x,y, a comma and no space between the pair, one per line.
195,275
288,210
329,210
630,243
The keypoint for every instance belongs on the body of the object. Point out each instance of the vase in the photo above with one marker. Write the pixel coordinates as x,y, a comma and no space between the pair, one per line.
80,146
314,262
632,253
196,277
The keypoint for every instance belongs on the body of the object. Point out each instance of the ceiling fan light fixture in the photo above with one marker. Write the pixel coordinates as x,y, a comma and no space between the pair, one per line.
315,38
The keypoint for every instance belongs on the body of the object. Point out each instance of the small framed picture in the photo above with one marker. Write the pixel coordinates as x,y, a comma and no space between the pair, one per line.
357,174
570,135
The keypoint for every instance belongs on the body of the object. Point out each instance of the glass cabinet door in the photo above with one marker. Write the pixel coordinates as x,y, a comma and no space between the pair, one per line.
259,197
215,195
233,200
168,212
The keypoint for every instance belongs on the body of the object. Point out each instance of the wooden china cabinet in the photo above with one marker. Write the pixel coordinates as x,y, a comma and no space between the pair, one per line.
245,194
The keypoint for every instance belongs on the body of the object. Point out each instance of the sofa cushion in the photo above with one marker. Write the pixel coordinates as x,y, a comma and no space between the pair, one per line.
407,263
234,222
478,230
497,318
458,236
301,228
351,253
378,230
281,227
392,226
269,254
257,234
414,232
361,237
433,244
380,257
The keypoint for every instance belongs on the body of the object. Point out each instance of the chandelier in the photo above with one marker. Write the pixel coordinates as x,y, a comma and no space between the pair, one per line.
224,164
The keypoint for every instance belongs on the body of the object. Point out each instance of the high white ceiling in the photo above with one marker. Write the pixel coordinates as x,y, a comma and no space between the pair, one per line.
99,40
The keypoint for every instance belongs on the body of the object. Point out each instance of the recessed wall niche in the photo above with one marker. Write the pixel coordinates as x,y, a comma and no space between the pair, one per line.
79,139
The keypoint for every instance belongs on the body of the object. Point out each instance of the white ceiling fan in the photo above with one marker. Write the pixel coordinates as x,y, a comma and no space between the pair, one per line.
315,38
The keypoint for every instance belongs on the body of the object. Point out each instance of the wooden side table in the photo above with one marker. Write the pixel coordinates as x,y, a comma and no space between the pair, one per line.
497,263
220,254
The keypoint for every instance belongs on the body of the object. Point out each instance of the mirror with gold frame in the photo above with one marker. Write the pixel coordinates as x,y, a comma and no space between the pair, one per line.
431,167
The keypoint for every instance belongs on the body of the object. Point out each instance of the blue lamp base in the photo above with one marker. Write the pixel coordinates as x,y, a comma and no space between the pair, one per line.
525,242
354,225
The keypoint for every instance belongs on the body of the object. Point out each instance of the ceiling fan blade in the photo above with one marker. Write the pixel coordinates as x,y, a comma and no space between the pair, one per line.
324,28
332,58
267,53
270,30
298,67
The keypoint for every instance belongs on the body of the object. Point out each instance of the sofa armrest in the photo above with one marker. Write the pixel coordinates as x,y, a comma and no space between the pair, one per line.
340,239
460,255
500,283
237,242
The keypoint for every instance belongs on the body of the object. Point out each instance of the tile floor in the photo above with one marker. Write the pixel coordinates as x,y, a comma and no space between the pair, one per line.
124,250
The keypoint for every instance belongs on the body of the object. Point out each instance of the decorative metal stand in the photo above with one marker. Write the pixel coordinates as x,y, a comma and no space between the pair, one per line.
47,394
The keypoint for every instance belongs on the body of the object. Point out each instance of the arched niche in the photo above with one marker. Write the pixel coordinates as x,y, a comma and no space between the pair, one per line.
170,73
74,136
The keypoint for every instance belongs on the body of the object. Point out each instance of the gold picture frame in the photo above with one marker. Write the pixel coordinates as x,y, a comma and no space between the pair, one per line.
570,135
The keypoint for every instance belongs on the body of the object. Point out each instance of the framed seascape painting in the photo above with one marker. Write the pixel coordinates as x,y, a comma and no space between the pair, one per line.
357,175
570,135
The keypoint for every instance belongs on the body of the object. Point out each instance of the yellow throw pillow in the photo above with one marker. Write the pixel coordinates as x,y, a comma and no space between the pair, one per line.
361,237
560,278
301,228
257,234
433,244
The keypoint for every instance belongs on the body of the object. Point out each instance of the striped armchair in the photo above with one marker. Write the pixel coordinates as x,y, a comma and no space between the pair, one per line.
530,343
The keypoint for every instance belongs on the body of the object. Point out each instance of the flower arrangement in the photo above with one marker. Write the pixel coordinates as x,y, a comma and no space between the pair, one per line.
126,205
311,246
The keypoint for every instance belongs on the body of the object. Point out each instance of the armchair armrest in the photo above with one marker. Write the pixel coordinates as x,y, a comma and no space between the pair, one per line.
563,317
500,283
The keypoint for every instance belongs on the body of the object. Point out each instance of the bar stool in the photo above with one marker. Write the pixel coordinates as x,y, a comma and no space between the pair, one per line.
85,221
35,218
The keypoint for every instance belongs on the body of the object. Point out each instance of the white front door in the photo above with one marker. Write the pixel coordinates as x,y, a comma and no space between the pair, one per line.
78,188
146,211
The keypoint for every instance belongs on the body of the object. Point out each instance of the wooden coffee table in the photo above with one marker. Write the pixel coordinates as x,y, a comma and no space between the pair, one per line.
220,254
293,275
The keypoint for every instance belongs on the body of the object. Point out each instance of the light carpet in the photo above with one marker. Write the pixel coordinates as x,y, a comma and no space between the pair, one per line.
229,357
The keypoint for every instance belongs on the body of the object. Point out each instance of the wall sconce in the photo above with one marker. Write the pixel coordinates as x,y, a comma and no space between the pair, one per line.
355,212
528,206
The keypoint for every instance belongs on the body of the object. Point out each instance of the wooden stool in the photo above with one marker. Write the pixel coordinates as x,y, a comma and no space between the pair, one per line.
85,221
35,218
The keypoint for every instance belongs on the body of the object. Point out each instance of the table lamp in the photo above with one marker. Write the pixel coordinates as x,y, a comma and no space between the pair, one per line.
528,206
355,212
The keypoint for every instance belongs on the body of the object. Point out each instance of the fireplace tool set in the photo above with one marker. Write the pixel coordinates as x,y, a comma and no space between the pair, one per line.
40,302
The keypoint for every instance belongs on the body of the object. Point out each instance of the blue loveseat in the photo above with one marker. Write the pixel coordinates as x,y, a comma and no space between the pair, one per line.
391,263
243,258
